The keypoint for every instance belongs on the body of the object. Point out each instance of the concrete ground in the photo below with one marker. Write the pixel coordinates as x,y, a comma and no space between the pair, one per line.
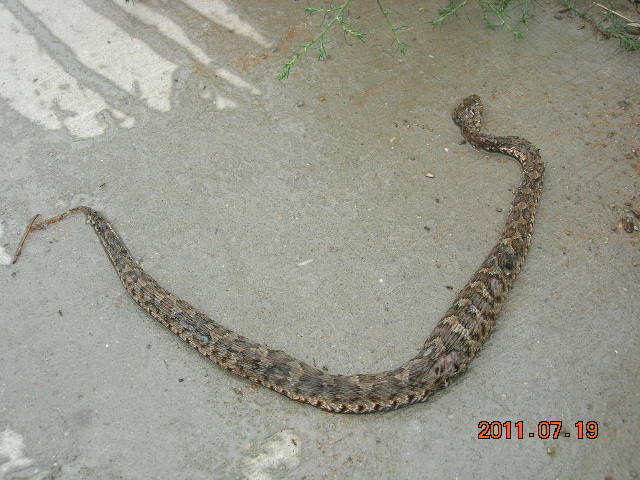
299,213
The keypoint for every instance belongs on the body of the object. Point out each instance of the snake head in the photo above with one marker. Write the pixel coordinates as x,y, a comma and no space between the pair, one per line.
467,115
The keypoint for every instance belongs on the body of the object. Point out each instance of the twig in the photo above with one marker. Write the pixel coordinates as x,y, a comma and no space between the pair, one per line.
39,226
615,30
27,232
612,11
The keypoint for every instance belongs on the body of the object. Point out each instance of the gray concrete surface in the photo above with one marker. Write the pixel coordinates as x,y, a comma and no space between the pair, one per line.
228,186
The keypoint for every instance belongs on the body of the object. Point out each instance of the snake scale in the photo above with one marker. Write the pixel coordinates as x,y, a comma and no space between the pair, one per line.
447,352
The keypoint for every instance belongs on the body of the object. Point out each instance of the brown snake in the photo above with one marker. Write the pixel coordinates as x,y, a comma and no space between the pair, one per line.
447,352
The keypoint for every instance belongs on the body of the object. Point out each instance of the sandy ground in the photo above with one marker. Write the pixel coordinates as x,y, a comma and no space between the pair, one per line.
300,214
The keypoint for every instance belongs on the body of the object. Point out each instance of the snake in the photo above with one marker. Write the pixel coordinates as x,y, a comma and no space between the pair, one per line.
454,342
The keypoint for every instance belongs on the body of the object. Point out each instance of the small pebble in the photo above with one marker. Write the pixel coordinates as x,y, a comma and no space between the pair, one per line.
627,223
632,28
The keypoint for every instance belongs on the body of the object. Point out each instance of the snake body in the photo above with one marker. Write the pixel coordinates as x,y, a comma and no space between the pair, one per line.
447,352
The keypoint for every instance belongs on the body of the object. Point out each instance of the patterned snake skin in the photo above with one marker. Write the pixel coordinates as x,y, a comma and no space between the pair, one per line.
446,353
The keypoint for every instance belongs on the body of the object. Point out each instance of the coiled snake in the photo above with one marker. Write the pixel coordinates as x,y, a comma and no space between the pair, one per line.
447,352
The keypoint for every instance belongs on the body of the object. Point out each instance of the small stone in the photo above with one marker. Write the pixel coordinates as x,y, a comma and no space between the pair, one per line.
627,224
632,28
300,104
429,175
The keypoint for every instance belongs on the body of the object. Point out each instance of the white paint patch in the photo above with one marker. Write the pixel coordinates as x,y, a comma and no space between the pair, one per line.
37,86
11,446
13,463
102,46
169,28
219,12
223,102
281,451
5,258
127,122
236,81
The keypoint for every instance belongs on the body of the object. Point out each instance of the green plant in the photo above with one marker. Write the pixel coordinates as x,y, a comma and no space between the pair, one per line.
337,17
394,29
612,25
496,13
